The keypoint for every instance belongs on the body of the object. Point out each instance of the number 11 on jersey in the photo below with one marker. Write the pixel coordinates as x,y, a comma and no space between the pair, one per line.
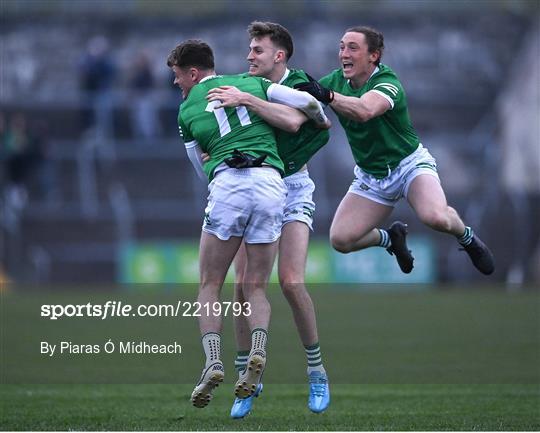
221,117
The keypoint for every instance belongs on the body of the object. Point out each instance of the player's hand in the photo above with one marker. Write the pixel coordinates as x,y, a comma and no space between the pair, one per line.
314,88
228,96
205,157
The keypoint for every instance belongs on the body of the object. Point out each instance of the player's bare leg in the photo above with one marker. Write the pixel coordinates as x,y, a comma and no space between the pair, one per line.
241,406
260,259
355,227
242,333
428,200
293,247
354,224
215,257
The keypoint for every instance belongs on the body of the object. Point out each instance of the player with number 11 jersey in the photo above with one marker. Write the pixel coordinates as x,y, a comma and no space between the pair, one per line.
220,131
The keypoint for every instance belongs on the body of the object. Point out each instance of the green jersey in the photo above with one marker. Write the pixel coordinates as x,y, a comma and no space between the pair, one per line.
220,131
379,144
297,149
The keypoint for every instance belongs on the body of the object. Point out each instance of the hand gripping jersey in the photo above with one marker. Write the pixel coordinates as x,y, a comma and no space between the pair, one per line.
219,132
379,144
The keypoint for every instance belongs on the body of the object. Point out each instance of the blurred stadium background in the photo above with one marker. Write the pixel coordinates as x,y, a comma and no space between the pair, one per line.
95,183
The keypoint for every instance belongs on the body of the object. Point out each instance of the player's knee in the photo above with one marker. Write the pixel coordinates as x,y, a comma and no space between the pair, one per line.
210,279
238,289
341,243
290,285
437,219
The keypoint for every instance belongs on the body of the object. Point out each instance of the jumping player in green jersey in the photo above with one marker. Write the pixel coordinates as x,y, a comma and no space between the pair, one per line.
391,163
271,47
246,196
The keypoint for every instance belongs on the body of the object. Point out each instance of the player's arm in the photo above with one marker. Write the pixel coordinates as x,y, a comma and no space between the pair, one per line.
276,93
279,116
193,148
300,100
371,104
194,153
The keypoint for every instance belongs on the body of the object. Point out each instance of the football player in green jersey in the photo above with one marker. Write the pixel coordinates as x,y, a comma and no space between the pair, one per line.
246,199
271,47
391,163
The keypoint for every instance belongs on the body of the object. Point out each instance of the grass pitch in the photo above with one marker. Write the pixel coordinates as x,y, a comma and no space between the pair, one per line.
433,360
280,407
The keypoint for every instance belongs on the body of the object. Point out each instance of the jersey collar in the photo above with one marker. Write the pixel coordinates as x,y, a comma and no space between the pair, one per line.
373,73
207,78
285,75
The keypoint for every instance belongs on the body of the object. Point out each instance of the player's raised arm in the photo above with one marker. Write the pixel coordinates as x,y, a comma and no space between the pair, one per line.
368,106
277,115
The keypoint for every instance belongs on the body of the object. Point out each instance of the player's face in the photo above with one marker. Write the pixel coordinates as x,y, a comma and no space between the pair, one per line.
183,78
354,57
262,57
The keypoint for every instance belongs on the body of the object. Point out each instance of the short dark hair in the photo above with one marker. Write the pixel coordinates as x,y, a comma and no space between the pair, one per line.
374,39
278,34
192,53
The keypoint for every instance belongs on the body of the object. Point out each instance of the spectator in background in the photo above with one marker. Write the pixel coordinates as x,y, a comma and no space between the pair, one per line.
144,116
18,153
97,72
45,165
24,151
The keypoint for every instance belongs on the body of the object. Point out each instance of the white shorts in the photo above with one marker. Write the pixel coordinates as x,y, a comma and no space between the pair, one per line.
390,189
246,203
299,205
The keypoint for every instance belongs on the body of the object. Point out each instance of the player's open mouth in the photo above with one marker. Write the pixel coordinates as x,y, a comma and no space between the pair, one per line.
347,66
252,66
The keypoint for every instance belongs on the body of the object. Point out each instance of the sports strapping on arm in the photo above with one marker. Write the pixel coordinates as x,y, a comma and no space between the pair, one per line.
300,100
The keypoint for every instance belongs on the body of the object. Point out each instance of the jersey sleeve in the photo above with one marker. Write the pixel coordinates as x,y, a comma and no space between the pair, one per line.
185,134
389,88
265,84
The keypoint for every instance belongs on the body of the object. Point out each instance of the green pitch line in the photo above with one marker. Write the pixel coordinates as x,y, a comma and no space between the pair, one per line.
281,407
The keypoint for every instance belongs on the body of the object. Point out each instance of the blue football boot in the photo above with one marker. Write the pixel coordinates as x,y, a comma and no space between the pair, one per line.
242,406
319,392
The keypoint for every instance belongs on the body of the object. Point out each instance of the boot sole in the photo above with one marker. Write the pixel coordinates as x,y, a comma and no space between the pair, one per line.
201,397
248,384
